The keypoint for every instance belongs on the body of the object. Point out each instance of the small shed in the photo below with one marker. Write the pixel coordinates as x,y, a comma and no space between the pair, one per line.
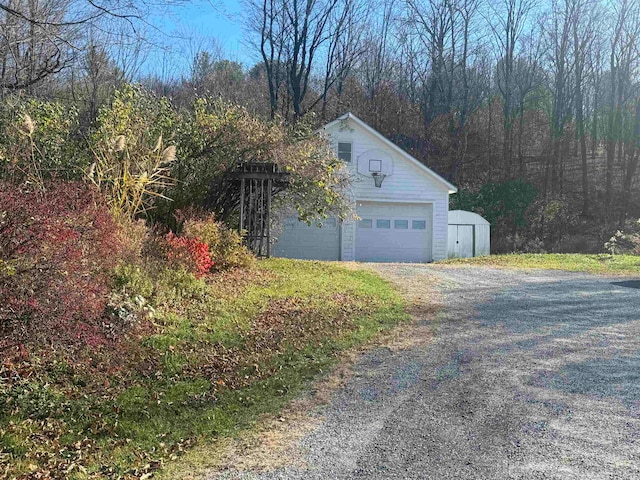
469,235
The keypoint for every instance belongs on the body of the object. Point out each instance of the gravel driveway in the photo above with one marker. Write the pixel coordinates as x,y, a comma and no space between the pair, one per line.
531,375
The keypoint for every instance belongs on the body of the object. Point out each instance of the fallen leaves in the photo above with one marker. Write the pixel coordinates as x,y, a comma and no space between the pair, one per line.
242,331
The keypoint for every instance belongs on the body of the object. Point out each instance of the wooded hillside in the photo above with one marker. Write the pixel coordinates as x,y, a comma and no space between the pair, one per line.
537,102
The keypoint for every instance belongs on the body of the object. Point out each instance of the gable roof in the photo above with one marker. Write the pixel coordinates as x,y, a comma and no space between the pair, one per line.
350,116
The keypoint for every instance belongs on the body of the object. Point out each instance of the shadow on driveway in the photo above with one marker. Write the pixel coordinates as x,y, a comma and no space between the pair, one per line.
628,284
587,329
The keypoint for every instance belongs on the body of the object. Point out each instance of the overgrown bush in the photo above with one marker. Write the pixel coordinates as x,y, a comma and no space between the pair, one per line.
506,207
38,140
133,280
554,221
129,300
132,161
625,241
57,250
135,236
505,202
188,253
225,245
144,154
220,135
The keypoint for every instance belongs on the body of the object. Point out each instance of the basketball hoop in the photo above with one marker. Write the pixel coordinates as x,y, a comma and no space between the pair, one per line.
378,178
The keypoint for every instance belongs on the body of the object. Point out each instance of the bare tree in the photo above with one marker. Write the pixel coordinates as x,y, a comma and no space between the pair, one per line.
94,81
563,16
467,10
528,76
268,21
39,38
376,65
622,60
508,21
433,22
34,41
292,36
344,48
584,41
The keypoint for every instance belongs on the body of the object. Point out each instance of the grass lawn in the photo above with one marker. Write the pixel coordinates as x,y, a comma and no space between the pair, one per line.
216,356
602,263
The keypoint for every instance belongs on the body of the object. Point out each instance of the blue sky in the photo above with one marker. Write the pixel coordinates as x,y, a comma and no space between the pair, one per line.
195,26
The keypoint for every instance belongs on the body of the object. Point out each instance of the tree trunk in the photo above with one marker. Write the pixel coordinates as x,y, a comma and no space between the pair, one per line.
580,133
631,167
611,143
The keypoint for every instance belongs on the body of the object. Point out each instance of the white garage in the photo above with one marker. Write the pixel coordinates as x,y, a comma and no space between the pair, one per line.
401,205
393,232
309,242
469,235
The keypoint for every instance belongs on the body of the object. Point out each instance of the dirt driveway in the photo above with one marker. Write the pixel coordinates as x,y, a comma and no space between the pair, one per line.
530,375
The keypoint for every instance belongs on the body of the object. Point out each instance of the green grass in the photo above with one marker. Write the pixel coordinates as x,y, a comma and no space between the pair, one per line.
143,420
574,262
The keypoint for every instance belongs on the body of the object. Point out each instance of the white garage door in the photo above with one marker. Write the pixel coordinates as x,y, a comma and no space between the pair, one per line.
394,232
309,242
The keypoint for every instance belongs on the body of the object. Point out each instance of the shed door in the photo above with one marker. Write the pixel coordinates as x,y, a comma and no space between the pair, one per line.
309,242
460,241
465,241
389,232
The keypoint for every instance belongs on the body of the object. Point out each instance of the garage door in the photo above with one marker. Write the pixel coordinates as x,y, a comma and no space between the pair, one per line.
309,242
394,232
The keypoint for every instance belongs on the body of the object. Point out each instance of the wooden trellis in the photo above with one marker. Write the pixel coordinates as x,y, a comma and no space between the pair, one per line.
258,182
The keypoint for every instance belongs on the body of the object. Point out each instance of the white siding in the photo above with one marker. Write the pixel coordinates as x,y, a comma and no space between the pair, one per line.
309,242
483,236
348,241
407,183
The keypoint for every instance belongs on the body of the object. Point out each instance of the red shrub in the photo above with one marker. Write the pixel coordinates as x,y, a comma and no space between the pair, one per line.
57,250
189,253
